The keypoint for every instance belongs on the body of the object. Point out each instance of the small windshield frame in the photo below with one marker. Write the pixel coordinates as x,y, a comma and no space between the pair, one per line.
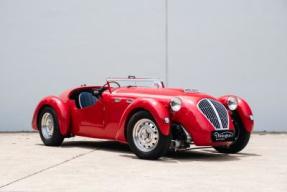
137,82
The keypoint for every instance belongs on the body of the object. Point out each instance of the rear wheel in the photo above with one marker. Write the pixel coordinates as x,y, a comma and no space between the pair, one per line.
145,138
241,137
49,127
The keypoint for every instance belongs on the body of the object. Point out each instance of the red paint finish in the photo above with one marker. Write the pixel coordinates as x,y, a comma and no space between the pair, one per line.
62,111
243,110
157,110
108,118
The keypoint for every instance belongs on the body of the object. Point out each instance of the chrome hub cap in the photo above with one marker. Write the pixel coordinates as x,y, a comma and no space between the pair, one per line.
47,125
145,135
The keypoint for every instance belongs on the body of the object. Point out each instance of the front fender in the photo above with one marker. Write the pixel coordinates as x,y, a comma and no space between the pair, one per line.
243,110
61,110
155,108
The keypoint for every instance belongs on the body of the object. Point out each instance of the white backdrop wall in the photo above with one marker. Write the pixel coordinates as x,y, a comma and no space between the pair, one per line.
218,47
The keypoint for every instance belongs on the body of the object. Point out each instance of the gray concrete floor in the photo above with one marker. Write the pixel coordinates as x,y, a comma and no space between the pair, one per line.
83,164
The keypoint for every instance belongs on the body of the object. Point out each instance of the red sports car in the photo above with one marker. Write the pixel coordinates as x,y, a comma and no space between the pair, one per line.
152,119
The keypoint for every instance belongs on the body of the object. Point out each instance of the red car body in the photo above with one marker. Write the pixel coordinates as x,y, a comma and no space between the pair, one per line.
108,118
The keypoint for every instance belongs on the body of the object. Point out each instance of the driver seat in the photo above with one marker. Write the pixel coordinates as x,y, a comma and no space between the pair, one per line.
86,99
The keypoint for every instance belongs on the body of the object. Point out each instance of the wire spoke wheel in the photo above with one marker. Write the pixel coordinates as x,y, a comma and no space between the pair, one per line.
145,135
145,138
47,125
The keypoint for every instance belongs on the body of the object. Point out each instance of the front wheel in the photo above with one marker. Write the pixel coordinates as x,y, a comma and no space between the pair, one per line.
49,128
241,138
144,137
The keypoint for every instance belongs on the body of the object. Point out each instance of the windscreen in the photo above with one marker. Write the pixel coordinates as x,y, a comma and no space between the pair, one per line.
153,83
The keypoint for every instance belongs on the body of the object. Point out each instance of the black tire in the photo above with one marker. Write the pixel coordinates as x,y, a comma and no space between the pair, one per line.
56,138
162,145
241,137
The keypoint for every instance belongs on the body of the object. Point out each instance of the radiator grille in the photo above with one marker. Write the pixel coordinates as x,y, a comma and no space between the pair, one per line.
215,112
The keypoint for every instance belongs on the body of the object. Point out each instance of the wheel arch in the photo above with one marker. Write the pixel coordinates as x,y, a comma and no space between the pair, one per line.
243,111
153,107
61,109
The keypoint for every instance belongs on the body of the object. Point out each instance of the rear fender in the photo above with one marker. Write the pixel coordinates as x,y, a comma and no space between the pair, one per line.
155,108
61,110
244,112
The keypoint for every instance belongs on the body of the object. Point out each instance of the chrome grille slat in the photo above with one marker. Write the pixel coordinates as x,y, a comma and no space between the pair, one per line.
222,112
215,112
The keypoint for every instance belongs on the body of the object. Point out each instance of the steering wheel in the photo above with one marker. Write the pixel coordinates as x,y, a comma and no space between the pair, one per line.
114,82
99,92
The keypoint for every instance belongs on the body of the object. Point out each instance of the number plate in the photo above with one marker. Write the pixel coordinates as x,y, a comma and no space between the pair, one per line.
222,135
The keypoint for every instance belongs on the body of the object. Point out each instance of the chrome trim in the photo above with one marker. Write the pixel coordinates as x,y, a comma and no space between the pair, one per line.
191,90
177,101
216,113
188,137
129,100
117,100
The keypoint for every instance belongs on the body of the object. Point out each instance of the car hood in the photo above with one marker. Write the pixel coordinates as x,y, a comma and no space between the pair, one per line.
161,93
